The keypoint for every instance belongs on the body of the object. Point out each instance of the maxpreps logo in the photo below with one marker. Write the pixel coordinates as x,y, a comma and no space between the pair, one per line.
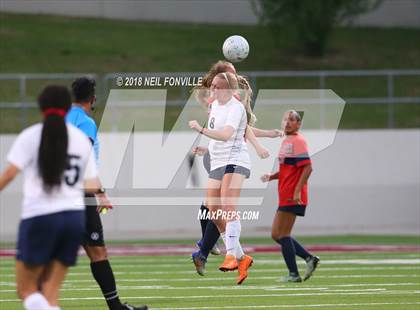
228,215
136,117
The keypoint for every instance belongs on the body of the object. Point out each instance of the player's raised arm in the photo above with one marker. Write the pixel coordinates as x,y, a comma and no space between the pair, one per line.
264,133
250,136
220,135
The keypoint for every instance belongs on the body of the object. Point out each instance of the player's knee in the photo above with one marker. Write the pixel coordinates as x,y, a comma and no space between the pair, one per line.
282,234
275,235
225,202
96,253
279,234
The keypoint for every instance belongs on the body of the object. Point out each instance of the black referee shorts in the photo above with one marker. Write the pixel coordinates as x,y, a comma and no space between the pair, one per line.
94,234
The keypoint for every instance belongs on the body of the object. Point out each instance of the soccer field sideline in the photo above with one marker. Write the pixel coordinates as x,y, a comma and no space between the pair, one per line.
182,249
353,280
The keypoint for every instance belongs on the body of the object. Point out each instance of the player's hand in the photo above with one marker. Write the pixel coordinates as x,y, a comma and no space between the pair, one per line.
104,204
262,152
199,150
265,178
195,125
275,133
297,198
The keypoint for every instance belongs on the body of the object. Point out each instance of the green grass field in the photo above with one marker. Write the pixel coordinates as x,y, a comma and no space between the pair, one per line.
56,44
41,43
373,280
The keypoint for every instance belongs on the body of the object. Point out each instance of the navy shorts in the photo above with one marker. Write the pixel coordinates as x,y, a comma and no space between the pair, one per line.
217,174
56,236
299,210
94,232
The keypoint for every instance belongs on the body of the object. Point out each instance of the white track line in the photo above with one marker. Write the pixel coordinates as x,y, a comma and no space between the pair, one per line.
121,260
390,261
355,276
68,286
386,261
203,297
273,270
260,262
206,279
294,306
216,288
280,268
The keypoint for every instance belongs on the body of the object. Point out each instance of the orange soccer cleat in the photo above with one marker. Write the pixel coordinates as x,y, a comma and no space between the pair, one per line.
244,264
229,264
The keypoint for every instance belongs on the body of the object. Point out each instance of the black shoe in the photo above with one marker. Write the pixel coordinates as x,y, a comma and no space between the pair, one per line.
199,262
311,265
291,278
128,307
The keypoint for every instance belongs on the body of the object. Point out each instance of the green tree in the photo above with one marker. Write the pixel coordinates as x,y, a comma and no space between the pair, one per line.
311,21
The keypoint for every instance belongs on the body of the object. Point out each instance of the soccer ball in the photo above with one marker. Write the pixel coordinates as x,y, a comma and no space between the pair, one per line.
235,48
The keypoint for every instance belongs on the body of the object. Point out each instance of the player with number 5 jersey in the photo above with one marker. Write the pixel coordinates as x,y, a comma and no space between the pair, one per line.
57,164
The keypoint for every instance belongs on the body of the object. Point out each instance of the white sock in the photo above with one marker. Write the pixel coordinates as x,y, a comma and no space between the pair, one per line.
36,301
223,235
233,232
238,248
239,252
55,308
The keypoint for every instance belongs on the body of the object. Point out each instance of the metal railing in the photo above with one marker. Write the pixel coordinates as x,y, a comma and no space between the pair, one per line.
108,81
23,105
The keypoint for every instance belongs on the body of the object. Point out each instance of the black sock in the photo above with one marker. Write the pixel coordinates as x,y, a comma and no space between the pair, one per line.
300,250
289,253
102,272
203,222
210,238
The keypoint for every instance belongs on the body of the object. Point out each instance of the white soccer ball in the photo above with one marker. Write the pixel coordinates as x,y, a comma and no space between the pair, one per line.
235,48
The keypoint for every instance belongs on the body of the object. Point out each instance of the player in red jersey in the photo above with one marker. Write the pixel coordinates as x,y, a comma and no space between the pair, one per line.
295,169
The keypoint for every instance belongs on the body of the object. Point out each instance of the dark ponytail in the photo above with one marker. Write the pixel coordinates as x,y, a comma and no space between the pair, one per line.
54,102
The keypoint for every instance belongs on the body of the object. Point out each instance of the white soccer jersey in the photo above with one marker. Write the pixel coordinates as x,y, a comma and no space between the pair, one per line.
234,151
69,196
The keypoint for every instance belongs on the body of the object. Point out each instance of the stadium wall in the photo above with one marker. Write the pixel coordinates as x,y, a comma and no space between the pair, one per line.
367,182
392,13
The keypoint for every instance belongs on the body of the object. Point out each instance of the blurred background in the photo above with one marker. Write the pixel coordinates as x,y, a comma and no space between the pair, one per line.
367,52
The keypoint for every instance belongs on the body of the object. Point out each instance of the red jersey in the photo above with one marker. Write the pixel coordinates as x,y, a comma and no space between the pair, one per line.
293,156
